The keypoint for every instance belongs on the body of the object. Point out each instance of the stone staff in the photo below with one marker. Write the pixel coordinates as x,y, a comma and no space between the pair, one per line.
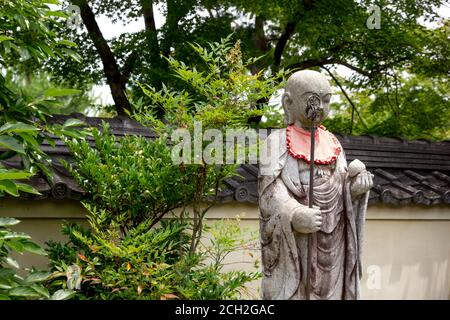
313,110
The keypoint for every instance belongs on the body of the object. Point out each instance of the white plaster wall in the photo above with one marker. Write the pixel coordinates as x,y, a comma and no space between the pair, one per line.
406,249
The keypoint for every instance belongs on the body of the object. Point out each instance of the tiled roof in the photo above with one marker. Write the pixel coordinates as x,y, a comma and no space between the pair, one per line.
406,172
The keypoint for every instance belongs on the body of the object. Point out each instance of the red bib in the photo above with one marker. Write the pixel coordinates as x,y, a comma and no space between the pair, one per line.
327,147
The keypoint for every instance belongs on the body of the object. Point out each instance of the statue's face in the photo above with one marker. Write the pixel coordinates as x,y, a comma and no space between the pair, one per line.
312,107
307,98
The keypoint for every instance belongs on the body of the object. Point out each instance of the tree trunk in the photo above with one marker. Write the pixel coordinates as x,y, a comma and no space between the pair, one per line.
259,41
151,33
282,42
110,67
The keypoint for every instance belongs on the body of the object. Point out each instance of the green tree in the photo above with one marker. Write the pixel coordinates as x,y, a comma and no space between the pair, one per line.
25,39
416,108
291,34
73,101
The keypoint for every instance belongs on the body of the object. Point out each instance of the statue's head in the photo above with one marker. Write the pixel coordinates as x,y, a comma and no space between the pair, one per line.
307,96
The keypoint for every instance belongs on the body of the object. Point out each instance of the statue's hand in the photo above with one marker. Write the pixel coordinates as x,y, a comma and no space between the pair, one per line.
361,183
306,220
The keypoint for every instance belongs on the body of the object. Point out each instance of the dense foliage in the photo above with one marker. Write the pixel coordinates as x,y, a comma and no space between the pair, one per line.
319,34
147,263
418,108
25,40
13,286
133,183
131,172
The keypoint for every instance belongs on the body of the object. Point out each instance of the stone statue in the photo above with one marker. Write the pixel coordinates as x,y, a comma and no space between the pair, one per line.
336,220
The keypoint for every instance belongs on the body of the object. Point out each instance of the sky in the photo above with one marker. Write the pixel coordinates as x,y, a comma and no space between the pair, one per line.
111,30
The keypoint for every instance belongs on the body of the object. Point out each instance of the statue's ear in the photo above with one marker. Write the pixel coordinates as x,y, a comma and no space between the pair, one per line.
286,102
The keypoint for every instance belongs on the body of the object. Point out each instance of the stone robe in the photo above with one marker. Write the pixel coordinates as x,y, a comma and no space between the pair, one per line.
336,247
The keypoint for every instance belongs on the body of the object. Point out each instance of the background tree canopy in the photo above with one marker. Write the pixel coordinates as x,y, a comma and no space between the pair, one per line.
398,68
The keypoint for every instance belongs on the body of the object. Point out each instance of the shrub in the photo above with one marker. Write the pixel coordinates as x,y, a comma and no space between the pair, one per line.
13,286
132,184
129,179
146,263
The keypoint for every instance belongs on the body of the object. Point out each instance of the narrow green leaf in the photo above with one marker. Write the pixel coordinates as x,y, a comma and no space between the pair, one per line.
13,263
7,273
17,127
72,133
15,235
4,38
27,188
29,138
14,174
67,43
60,92
33,248
51,141
38,276
4,286
7,222
15,245
72,54
12,144
47,50
73,123
41,290
60,14
24,292
9,187
63,294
